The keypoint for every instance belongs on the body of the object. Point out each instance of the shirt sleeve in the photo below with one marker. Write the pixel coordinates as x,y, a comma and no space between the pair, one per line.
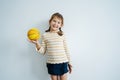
42,49
66,49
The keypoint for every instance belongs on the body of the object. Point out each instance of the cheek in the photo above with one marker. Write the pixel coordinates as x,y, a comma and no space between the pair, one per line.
60,25
51,23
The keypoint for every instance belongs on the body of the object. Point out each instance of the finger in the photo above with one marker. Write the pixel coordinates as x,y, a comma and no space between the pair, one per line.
70,69
32,41
29,40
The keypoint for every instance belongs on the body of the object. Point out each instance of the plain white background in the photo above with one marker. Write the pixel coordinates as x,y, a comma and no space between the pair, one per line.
92,29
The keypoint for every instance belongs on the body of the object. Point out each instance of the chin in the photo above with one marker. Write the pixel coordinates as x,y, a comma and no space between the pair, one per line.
55,29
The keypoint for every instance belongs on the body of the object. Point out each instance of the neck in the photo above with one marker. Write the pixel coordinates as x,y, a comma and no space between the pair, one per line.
53,31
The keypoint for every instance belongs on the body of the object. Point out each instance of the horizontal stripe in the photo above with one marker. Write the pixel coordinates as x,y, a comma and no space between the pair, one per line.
60,60
57,51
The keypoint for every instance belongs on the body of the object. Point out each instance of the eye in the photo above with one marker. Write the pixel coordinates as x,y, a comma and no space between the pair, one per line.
58,22
54,20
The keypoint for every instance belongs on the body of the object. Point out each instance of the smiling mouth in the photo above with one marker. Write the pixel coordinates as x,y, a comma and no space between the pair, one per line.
55,27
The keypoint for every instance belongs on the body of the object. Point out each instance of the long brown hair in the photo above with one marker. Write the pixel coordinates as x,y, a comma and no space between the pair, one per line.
60,32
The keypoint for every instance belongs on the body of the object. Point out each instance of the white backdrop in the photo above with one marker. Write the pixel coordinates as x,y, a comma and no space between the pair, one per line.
92,29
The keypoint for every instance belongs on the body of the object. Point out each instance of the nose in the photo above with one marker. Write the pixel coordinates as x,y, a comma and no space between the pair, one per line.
55,23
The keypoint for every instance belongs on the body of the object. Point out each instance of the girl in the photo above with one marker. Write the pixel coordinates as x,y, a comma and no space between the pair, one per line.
53,41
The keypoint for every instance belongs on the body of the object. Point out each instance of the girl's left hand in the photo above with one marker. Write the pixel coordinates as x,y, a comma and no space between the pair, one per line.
70,68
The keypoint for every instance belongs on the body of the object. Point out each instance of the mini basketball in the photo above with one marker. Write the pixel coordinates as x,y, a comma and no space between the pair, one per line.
33,34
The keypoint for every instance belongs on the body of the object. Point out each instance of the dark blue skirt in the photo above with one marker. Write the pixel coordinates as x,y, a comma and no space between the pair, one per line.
57,69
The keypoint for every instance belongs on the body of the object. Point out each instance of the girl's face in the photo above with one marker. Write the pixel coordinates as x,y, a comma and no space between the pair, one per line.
55,24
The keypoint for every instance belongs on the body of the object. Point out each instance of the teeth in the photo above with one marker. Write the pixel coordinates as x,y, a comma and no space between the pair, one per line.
55,27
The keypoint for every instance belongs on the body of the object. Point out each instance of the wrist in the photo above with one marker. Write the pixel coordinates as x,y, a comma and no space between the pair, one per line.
37,43
70,65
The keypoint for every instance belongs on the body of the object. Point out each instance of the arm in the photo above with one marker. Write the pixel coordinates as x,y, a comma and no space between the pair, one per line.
41,48
68,55
66,49
36,42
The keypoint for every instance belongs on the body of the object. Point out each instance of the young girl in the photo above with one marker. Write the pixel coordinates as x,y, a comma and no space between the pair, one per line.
54,44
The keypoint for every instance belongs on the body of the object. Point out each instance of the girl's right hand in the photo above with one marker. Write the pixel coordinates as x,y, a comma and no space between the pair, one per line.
34,41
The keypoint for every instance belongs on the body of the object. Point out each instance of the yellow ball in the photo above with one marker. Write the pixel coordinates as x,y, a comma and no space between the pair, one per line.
33,34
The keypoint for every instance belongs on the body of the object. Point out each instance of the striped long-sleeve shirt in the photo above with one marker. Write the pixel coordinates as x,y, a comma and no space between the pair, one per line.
55,47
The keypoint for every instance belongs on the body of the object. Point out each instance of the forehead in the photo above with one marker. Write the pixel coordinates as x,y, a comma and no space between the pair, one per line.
57,18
